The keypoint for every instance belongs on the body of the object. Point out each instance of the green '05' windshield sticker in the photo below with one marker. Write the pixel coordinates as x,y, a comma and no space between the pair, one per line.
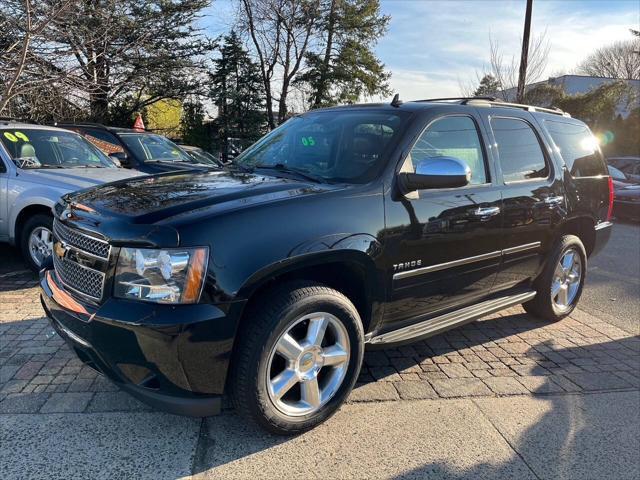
22,136
308,141
10,136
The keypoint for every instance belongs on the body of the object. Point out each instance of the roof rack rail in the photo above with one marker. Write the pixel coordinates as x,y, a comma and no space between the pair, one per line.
87,124
493,101
462,100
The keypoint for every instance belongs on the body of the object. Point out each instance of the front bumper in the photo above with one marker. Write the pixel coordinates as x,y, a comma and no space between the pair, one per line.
173,357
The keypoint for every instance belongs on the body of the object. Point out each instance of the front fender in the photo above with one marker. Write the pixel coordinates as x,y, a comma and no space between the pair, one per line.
353,249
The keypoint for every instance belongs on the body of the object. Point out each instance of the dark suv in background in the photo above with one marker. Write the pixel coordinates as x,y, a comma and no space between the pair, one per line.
144,151
368,224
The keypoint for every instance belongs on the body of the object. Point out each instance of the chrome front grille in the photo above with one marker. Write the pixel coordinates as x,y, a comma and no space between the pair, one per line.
80,261
88,244
77,277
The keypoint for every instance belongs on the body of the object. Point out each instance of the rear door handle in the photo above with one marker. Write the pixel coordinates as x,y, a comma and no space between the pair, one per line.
486,212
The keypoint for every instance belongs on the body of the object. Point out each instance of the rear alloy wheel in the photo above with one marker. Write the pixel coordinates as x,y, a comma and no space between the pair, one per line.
37,240
566,280
559,286
297,358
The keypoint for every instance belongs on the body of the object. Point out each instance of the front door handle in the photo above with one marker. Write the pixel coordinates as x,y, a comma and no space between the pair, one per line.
554,201
486,212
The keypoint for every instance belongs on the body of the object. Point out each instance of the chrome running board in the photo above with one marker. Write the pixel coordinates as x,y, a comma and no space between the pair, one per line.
453,319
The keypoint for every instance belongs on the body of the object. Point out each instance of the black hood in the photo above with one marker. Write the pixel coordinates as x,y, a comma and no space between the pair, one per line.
154,198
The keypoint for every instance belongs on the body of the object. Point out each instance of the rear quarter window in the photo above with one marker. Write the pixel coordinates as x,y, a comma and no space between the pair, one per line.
577,147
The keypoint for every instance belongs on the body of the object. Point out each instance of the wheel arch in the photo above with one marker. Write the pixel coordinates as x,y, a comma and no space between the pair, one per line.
583,228
351,272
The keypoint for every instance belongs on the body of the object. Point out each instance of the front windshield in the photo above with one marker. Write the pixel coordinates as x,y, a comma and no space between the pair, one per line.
40,148
202,156
334,146
151,147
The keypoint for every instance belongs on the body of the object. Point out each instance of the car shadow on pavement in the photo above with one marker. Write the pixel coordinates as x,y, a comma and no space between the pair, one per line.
14,274
581,424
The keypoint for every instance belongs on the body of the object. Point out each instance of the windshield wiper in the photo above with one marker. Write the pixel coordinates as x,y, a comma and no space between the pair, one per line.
238,166
281,167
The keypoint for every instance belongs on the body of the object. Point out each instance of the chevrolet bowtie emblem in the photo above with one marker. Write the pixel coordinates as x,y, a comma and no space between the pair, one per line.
60,249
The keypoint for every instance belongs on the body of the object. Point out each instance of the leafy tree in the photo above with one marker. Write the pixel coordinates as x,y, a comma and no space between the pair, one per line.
342,67
489,85
618,60
598,108
128,53
27,80
281,32
236,89
164,117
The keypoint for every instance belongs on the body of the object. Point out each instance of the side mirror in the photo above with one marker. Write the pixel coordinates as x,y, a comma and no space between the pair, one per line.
119,158
436,172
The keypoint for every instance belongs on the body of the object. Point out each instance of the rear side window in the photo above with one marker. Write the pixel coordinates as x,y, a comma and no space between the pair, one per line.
578,148
521,156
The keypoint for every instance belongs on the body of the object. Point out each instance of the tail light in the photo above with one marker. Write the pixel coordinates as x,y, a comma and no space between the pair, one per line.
610,211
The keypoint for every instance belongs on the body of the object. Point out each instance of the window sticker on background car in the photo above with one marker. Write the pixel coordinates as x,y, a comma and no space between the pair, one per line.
10,136
22,136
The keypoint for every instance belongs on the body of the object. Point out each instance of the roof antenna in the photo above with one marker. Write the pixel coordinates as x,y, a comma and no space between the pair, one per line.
396,102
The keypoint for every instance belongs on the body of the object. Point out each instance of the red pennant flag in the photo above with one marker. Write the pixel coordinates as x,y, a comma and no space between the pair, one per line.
138,124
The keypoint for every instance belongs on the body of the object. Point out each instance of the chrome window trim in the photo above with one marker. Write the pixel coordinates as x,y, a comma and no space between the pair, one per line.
465,261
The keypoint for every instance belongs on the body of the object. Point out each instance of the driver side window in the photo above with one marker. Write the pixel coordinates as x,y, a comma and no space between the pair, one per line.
454,136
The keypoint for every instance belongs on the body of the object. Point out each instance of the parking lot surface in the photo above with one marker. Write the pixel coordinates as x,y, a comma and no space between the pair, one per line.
508,396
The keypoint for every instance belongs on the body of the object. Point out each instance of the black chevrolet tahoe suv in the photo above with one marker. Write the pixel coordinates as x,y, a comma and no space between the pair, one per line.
368,224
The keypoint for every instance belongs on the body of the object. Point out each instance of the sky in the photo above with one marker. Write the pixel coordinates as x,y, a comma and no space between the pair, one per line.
432,47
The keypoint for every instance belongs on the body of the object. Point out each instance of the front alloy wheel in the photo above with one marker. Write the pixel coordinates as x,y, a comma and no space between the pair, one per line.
298,355
308,364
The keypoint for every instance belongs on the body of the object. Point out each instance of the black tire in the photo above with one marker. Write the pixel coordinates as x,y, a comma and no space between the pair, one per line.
542,305
268,318
33,222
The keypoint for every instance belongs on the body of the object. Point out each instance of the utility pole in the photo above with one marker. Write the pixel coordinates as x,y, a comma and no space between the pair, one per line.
522,78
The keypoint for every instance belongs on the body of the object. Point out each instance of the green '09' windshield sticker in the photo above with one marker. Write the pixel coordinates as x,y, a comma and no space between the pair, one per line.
22,136
10,136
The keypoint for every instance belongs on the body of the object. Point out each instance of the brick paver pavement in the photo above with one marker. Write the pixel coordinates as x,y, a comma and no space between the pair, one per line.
509,353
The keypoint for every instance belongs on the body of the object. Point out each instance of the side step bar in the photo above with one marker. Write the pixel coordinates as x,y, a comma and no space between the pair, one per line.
444,322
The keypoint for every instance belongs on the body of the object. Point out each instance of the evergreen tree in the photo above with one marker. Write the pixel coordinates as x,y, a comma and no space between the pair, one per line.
236,89
194,130
489,85
343,66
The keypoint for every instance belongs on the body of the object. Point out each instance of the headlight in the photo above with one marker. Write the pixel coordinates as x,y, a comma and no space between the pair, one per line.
173,275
